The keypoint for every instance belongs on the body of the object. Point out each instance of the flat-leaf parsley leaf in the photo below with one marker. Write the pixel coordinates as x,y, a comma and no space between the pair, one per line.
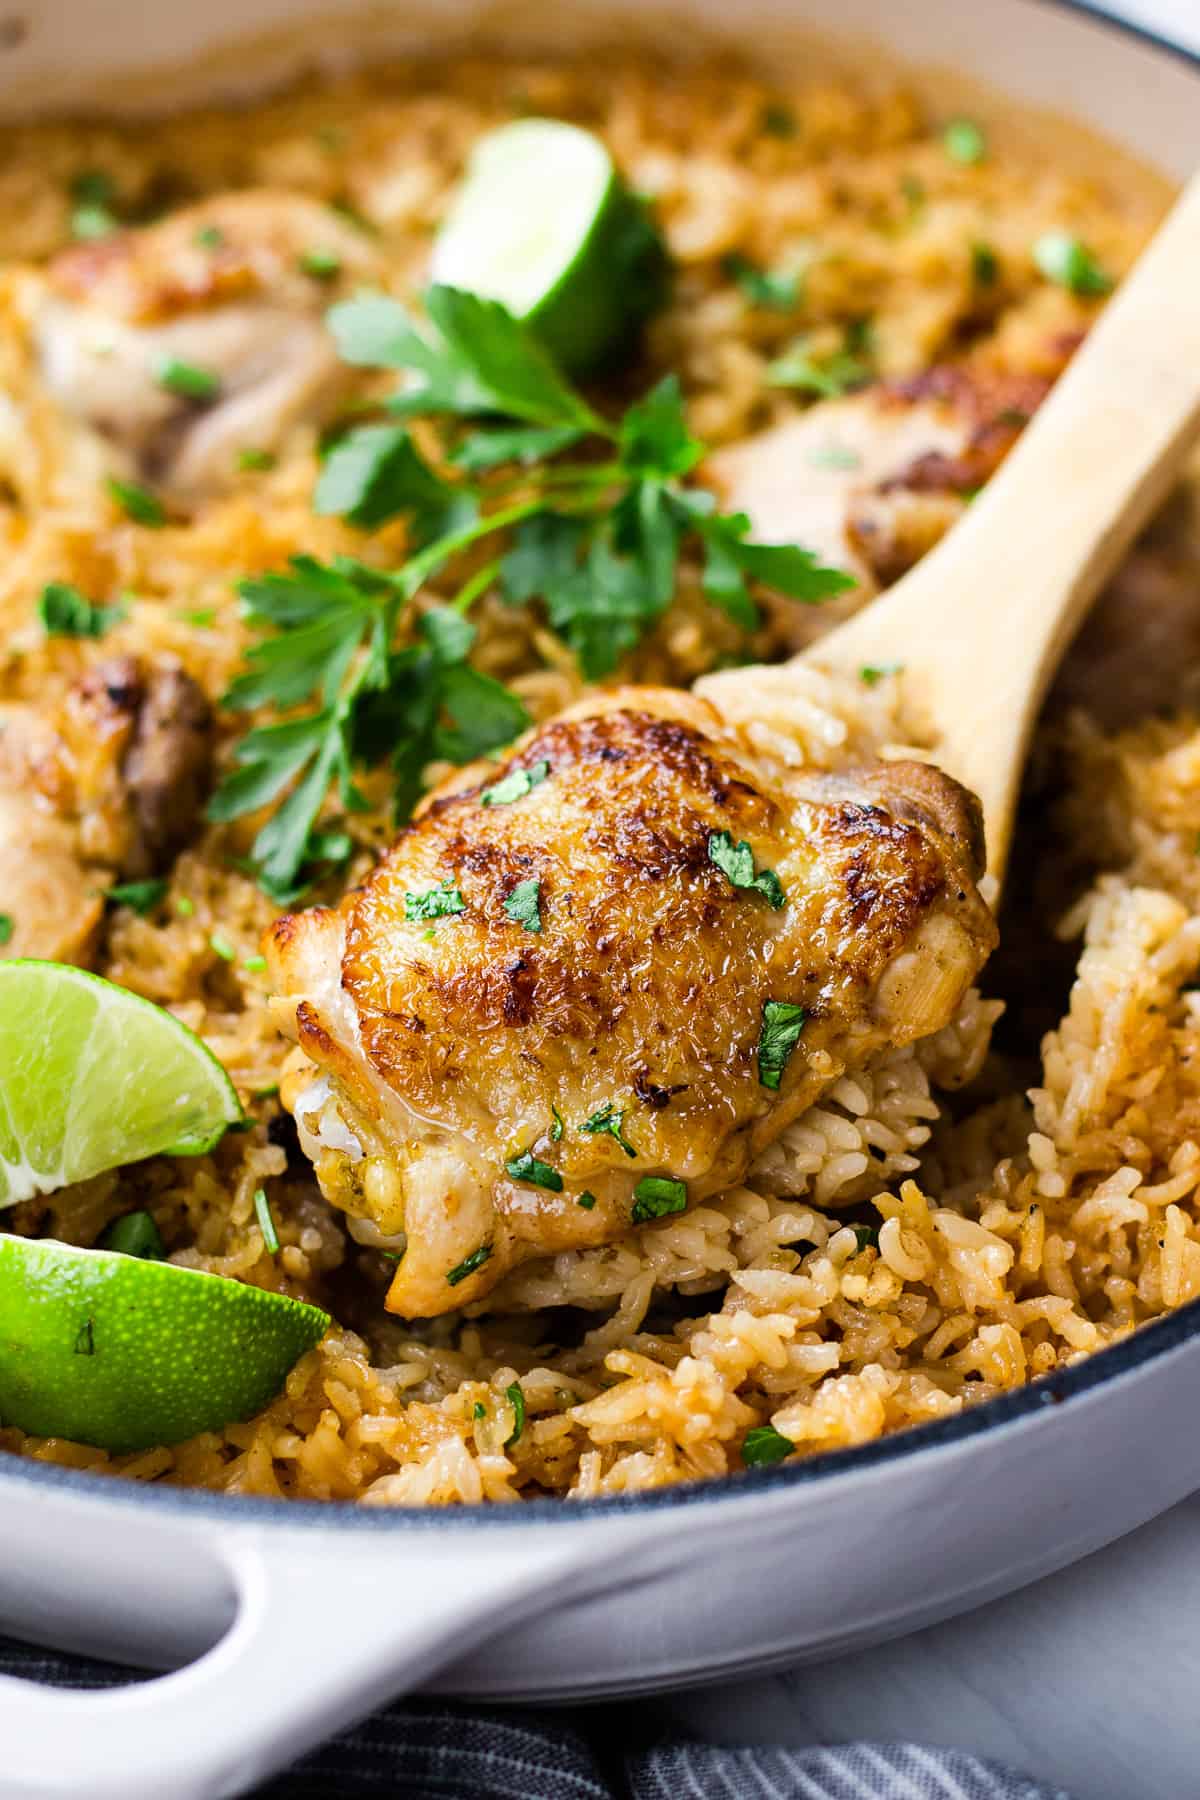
434,903
65,612
526,1167
764,1445
782,1023
363,676
657,1196
522,904
736,863
515,785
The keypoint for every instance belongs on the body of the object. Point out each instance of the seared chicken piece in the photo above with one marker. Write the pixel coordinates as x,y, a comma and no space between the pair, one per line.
871,482
109,784
568,996
219,290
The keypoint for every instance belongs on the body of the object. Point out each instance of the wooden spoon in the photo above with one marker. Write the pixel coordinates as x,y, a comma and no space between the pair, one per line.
981,623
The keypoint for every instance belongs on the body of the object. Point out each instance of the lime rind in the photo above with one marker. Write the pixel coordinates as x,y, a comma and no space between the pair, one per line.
544,224
93,1077
124,1354
533,193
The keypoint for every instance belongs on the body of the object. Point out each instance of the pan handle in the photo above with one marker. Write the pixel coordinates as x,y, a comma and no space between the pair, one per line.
329,1625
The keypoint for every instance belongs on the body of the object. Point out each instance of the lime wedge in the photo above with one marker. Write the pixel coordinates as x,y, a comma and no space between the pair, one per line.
110,1350
544,224
92,1076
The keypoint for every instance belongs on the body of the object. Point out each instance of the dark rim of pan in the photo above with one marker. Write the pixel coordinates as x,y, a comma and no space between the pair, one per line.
1104,1367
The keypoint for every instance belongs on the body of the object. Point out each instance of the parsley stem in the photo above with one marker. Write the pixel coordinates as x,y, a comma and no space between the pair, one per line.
605,474
419,568
479,583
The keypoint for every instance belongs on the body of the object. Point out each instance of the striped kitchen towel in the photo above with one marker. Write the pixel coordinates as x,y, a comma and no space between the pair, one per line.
447,1750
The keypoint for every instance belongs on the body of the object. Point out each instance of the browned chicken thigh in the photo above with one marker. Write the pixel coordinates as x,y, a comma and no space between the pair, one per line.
107,783
874,480
586,987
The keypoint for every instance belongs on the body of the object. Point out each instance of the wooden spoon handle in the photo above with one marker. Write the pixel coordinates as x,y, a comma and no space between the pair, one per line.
982,622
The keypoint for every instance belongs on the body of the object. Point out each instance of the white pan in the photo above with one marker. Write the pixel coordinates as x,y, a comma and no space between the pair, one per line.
284,1623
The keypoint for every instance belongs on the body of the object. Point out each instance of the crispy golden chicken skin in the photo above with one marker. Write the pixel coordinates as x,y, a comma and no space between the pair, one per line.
569,996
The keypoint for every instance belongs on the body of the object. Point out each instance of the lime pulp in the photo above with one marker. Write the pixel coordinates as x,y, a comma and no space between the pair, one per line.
544,224
93,1076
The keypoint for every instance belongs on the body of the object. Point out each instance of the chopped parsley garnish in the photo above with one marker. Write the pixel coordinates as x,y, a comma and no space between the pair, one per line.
141,896
373,474
221,946
65,612
515,786
778,120
985,265
776,290
186,379
865,1236
479,1410
7,926
91,222
964,142
586,1200
93,214
254,965
516,1400
871,674
827,376
526,1167
469,1265
209,237
134,1234
556,1128
322,265
434,903
656,1196
778,1036
1064,259
764,1445
266,1222
522,904
736,863
834,456
185,906
596,542
255,459
137,502
607,1122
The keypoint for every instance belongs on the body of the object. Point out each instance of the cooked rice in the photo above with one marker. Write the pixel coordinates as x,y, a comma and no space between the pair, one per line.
1017,1232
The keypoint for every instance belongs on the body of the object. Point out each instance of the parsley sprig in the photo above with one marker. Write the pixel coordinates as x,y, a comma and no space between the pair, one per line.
374,702
597,541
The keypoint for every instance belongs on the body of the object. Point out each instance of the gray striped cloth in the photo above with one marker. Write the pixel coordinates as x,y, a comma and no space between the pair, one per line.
443,1750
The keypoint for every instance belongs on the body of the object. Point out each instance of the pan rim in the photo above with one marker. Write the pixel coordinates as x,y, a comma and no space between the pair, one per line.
1000,1416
